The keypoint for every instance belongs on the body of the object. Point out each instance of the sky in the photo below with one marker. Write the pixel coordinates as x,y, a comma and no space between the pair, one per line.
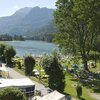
8,7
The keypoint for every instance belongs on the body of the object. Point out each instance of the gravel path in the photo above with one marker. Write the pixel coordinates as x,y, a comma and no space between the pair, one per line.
16,75
96,96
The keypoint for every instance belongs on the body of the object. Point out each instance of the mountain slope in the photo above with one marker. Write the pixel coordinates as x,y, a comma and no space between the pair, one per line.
26,21
9,22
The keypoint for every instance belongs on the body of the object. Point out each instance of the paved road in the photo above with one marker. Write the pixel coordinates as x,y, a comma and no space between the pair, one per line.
16,75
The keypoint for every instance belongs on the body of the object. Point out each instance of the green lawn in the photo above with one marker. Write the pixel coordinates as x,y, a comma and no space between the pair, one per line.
70,85
70,89
97,69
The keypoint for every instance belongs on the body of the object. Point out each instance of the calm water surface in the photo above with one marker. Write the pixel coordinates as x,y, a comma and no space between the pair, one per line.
32,47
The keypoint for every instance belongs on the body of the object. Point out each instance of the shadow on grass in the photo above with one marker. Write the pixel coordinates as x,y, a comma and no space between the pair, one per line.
80,98
91,80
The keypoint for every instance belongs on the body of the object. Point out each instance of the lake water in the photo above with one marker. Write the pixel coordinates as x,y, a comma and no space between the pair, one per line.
32,47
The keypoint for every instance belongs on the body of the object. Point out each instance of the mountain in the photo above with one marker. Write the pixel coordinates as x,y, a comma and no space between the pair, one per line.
9,22
28,21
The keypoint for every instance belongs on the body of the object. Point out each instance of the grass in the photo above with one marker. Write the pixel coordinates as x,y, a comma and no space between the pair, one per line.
70,85
31,77
70,89
97,69
23,73
18,70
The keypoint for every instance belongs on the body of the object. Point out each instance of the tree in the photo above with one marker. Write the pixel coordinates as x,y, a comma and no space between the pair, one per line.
9,53
2,48
11,93
53,68
79,91
78,22
46,62
29,63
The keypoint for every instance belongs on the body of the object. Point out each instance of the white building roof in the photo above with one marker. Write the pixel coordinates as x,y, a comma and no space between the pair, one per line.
3,69
25,82
55,95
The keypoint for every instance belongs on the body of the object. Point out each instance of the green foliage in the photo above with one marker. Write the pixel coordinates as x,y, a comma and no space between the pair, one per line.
11,94
78,22
29,63
56,76
6,37
79,91
96,46
42,37
6,52
37,21
53,68
45,33
2,48
46,62
9,53
18,37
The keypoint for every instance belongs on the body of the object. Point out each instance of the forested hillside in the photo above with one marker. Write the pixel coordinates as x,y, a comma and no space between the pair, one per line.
29,22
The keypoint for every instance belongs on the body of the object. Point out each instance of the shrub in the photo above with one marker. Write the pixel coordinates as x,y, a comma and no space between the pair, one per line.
11,93
29,63
79,91
9,53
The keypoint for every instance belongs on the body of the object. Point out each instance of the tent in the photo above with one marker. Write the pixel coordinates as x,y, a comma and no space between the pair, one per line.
55,95
37,98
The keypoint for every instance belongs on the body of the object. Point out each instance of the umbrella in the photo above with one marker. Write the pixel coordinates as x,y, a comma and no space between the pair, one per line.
36,73
35,70
81,66
74,66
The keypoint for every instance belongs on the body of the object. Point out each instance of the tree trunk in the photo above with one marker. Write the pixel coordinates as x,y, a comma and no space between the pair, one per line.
84,58
95,59
85,65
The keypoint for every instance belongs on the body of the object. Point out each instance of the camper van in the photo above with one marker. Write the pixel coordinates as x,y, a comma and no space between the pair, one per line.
25,84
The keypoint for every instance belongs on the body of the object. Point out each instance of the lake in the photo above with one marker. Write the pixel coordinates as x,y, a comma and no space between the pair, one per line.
34,48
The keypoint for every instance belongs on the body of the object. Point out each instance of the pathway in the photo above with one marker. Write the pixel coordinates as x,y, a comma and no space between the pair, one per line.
15,75
96,96
38,86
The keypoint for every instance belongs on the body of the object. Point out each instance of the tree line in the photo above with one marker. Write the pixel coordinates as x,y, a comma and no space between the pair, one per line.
6,37
41,37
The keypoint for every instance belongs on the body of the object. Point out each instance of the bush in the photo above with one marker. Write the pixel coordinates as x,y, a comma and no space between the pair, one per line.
53,68
2,48
9,53
11,94
79,91
29,63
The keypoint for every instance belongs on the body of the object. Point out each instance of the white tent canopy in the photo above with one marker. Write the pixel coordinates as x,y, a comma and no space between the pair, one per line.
55,95
25,82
